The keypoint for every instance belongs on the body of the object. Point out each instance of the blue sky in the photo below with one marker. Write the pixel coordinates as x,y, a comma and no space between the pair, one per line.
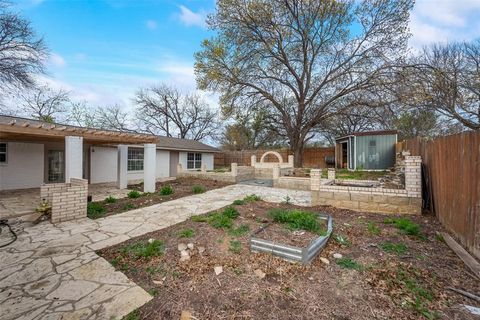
102,51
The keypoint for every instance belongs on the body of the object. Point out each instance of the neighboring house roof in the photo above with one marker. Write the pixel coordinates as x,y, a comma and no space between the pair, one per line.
17,127
369,133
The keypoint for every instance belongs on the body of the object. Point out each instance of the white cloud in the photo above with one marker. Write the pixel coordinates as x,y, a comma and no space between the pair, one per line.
151,24
190,18
57,60
444,20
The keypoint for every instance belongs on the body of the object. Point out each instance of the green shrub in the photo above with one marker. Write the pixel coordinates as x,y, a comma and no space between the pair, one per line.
341,240
252,198
347,263
95,210
134,194
220,221
198,189
240,231
230,212
297,219
110,199
144,249
235,246
128,206
186,233
238,202
397,248
373,229
166,190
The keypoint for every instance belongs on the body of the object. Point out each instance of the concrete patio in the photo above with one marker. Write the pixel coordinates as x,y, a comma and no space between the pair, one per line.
52,271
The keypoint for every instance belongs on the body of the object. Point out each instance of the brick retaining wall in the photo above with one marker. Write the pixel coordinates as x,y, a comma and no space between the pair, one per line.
68,200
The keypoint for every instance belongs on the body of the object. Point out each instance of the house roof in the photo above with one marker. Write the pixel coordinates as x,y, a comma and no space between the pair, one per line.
369,133
18,128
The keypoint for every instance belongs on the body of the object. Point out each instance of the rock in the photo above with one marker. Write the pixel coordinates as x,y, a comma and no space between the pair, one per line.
190,246
184,253
337,255
186,315
185,258
259,273
151,240
182,246
201,249
218,270
325,260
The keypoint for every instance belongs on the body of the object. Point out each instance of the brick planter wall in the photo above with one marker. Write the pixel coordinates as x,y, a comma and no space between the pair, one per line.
68,200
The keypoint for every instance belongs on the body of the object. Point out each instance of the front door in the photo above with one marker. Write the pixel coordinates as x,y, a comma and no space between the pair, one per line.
174,157
56,166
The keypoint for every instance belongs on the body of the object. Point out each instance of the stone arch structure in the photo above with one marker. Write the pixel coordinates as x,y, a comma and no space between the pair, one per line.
276,154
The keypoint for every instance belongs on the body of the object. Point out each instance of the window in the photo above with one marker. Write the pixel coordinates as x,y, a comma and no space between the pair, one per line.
194,160
135,159
3,153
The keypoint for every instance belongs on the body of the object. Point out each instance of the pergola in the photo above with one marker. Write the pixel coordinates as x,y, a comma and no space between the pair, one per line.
20,129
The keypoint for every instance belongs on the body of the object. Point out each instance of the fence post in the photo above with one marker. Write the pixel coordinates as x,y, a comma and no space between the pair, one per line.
315,177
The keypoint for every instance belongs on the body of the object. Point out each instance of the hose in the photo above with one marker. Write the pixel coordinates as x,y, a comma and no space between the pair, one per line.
4,222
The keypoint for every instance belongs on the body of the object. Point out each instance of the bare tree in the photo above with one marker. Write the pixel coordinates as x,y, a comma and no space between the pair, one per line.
164,110
44,103
307,59
21,52
446,78
109,117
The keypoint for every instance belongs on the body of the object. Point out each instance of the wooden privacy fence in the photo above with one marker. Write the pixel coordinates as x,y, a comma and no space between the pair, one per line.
452,166
312,157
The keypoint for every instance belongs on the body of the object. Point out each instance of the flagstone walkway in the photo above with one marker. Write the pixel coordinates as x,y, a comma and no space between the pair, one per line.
52,271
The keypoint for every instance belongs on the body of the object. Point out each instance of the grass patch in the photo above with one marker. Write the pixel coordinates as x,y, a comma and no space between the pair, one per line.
128,206
235,246
240,231
230,212
144,249
298,220
110,199
220,221
347,263
355,175
186,233
200,218
134,315
373,229
134,194
198,189
166,190
406,226
252,198
238,202
95,210
397,248
341,240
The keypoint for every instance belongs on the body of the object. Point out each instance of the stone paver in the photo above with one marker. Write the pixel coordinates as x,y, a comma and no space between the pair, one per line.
53,272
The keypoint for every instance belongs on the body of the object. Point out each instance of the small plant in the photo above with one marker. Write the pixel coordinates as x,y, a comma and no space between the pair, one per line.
235,246
153,292
287,200
406,226
95,210
186,233
397,248
128,206
341,240
297,219
238,202
252,198
220,221
230,212
198,189
110,199
373,229
240,231
347,263
439,237
144,249
166,190
134,315
200,218
134,194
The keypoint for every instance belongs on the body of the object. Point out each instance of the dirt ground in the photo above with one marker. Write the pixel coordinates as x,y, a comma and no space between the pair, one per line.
182,187
367,283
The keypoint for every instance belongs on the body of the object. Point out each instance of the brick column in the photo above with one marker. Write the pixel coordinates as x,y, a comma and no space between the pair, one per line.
122,160
179,167
234,170
331,174
290,160
276,172
149,167
413,176
253,160
73,157
315,177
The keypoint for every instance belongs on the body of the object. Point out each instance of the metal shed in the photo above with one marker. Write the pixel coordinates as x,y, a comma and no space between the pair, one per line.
366,150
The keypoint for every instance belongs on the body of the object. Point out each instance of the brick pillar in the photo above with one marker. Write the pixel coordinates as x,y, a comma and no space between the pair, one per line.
204,168
234,167
331,174
179,167
122,160
73,157
290,160
253,160
315,177
276,172
413,176
149,167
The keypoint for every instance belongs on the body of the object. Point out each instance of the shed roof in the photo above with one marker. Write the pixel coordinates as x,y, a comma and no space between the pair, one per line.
170,143
369,133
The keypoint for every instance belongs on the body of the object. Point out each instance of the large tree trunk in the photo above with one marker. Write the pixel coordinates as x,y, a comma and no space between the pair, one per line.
297,148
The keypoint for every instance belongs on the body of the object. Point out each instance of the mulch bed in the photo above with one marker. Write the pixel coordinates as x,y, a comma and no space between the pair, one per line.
380,285
182,187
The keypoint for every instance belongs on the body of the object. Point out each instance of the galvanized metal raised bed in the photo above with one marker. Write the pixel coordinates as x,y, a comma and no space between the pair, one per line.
291,253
